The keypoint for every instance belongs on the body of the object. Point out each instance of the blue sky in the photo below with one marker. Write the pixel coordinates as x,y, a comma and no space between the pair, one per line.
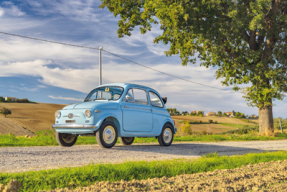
53,73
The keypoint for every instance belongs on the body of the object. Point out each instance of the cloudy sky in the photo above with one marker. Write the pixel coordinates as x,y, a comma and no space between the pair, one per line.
53,73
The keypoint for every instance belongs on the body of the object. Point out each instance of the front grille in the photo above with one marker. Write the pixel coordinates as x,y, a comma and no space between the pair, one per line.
70,121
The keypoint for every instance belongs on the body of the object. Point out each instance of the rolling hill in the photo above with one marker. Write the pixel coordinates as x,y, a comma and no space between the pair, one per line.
32,117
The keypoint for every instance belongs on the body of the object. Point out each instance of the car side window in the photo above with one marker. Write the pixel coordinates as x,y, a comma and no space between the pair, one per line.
131,96
138,96
155,100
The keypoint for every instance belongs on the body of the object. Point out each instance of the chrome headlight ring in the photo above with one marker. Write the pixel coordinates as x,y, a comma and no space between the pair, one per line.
88,113
57,114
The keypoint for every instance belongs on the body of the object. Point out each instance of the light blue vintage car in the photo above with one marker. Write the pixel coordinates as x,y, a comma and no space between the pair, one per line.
116,110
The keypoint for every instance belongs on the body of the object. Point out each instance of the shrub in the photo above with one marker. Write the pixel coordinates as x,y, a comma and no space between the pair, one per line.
2,99
5,111
200,115
203,132
210,121
215,122
186,128
200,121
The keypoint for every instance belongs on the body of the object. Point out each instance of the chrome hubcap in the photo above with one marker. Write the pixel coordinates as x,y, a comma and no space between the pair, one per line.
109,134
167,135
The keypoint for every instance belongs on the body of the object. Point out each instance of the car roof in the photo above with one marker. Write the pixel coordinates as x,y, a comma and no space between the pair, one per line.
127,85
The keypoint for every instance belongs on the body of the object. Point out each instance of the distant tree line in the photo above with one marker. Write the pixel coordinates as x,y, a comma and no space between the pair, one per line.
239,115
2,99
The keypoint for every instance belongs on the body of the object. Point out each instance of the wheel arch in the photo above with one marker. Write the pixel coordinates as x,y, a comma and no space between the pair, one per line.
170,124
114,120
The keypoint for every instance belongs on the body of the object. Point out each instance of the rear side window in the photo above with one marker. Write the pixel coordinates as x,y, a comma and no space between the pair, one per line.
155,100
138,96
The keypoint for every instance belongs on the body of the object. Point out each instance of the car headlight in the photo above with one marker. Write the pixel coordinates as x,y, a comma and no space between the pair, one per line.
88,113
57,114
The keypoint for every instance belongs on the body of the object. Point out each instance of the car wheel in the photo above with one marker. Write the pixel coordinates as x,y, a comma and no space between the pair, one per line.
65,139
107,135
126,140
166,136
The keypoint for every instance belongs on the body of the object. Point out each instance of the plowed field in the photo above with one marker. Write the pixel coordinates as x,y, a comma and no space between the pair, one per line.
33,117
271,176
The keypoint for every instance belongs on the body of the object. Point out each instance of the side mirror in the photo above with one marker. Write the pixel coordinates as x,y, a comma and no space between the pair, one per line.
164,99
127,97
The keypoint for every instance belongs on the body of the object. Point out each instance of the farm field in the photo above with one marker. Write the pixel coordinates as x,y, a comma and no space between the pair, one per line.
34,117
40,116
224,124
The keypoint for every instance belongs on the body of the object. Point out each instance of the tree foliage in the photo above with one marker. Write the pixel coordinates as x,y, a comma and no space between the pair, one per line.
244,39
5,111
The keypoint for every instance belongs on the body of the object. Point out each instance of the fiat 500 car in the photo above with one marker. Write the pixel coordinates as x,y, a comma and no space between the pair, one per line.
113,111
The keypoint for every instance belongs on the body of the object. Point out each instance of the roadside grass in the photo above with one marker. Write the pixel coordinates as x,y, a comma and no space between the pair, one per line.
47,138
239,126
84,176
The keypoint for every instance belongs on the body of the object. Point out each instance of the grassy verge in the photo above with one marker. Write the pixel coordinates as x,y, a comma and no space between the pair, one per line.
87,175
46,138
239,126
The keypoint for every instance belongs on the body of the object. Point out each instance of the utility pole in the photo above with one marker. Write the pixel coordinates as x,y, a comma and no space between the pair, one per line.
100,67
280,125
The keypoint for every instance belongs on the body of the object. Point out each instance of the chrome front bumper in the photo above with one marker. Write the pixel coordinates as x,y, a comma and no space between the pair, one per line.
73,126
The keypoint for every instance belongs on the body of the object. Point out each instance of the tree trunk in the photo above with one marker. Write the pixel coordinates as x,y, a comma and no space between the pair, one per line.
266,120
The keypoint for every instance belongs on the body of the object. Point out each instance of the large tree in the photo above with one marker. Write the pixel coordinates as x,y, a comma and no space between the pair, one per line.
244,39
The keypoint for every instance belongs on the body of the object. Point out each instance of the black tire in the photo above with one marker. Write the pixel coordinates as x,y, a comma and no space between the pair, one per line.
165,139
65,139
107,134
126,140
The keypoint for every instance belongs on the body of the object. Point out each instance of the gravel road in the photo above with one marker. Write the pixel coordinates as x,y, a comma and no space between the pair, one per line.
18,159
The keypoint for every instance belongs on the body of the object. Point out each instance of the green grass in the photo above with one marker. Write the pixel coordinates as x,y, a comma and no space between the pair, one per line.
46,138
239,126
87,175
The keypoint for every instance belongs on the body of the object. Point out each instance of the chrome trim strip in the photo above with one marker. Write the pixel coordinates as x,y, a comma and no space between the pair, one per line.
137,108
74,116
140,134
73,126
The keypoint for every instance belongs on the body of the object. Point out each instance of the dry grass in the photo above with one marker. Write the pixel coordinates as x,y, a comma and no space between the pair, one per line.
34,117
209,128
214,118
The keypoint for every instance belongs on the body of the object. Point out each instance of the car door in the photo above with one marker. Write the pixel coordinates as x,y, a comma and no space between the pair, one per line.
159,113
137,116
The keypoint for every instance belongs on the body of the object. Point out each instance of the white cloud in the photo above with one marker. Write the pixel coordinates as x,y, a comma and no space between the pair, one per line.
11,9
74,9
65,98
1,12
138,39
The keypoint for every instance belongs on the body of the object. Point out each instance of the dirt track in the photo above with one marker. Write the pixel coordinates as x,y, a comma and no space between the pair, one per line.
260,177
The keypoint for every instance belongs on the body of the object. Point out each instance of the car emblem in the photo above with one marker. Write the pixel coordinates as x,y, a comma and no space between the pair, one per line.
70,115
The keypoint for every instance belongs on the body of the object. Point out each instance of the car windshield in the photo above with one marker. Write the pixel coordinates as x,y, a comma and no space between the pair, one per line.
105,93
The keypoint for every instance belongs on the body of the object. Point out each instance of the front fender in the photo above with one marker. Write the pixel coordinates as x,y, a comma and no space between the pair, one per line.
100,120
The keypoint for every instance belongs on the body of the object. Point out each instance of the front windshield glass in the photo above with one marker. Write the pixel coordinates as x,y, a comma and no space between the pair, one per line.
105,93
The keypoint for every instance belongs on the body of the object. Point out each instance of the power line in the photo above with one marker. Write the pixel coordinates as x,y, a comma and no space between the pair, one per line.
162,71
48,41
44,40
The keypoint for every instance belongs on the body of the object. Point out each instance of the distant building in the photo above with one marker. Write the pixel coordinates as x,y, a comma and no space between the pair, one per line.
253,116
230,114
193,112
211,114
11,98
